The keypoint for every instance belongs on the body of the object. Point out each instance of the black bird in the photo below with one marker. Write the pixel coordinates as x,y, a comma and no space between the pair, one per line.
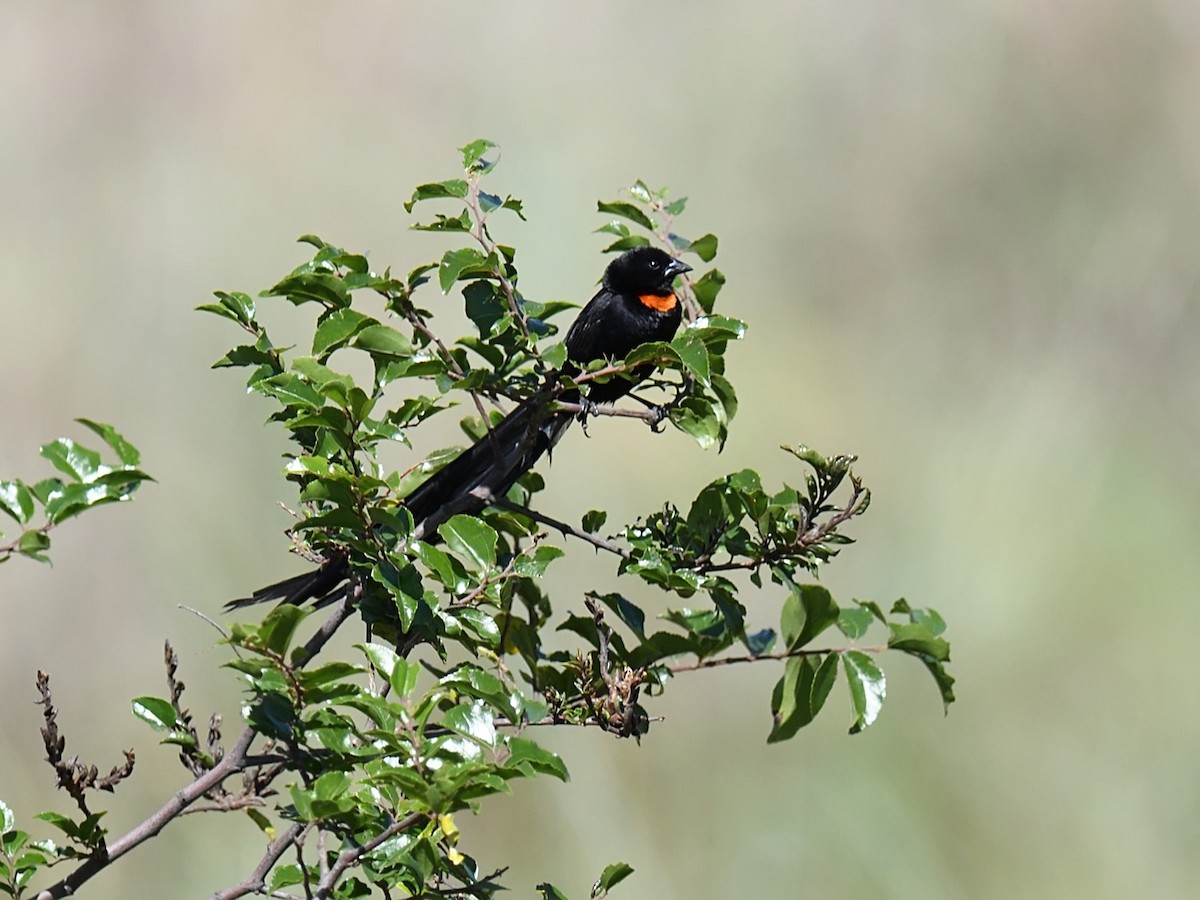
636,304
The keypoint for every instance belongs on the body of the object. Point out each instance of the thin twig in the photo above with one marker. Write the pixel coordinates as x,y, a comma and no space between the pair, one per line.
347,858
233,762
601,543
748,658
294,834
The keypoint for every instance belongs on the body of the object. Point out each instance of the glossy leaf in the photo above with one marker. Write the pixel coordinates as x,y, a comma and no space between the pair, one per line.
626,211
868,687
807,612
472,720
159,714
800,694
612,875
455,262
126,452
17,501
471,539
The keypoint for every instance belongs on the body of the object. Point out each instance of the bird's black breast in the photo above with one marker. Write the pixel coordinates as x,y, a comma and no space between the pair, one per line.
613,324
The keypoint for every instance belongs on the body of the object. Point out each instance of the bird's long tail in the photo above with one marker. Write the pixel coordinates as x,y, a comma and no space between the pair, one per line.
475,478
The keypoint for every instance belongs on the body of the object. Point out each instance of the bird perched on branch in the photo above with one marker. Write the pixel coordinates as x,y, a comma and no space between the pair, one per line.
636,304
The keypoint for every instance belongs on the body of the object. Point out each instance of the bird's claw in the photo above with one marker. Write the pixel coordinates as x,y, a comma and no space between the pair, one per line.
586,408
658,415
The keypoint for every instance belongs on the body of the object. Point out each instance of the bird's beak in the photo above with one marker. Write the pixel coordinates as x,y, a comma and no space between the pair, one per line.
677,267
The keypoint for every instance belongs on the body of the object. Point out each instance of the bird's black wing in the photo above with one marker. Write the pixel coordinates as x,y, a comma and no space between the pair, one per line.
468,483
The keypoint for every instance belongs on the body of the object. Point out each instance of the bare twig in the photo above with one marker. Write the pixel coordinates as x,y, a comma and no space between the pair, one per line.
233,762
783,654
599,542
254,883
480,233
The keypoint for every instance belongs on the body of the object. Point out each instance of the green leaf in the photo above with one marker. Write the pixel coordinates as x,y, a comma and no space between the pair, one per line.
917,640
159,714
75,460
471,539
944,681
383,659
472,720
245,355
612,875
456,188
403,678
800,694
405,588
308,286
853,623
594,519
482,624
555,355
706,288
533,565
34,544
550,892
930,619
17,501
331,785
698,418
236,306
472,155
693,354
627,243
126,452
485,307
626,211
807,612
705,247
290,390
629,613
528,756
867,688
383,341
284,875
455,262
338,327
279,626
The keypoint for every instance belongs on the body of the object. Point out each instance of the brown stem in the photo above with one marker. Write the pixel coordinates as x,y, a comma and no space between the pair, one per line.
233,762
783,654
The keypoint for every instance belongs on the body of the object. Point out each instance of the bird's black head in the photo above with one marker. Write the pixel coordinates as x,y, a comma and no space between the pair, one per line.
643,270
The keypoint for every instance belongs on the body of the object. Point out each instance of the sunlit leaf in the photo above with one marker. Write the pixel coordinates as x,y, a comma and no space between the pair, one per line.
868,687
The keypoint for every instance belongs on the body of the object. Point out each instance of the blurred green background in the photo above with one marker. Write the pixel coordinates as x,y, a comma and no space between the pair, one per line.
965,238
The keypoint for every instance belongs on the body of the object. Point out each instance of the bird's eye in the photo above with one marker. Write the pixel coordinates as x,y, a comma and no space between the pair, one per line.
654,263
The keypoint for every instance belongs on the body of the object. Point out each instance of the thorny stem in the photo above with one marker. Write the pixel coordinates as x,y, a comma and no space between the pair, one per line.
601,543
748,658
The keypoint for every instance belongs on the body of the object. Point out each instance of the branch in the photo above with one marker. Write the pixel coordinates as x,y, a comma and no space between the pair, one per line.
234,761
783,654
256,880
7,550
480,233
349,857
571,530
811,537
